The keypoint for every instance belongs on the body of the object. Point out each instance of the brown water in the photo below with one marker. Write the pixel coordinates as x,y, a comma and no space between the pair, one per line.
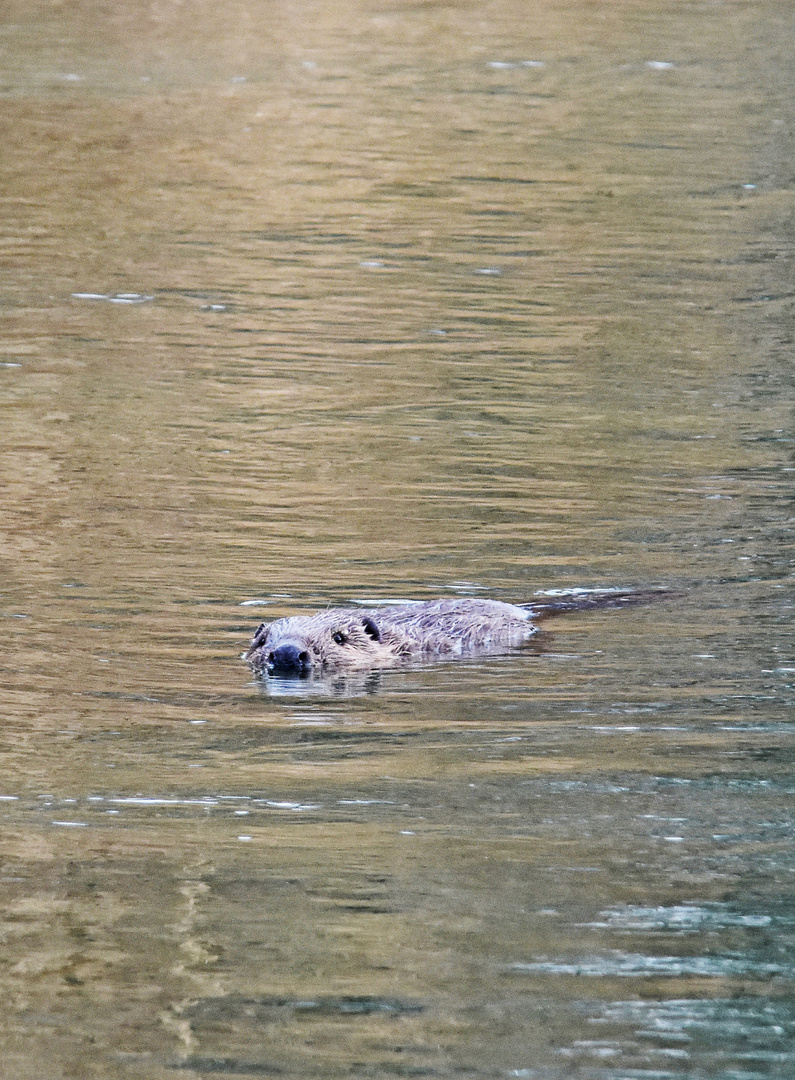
308,304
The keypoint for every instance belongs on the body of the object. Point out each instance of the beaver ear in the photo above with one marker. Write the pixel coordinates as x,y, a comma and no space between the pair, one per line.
371,629
260,634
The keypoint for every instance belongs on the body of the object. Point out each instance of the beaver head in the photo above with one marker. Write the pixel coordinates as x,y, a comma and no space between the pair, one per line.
342,640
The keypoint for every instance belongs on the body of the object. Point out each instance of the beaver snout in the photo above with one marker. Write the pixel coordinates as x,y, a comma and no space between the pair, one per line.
289,660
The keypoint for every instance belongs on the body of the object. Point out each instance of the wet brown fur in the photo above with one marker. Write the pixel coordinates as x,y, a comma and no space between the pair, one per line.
356,639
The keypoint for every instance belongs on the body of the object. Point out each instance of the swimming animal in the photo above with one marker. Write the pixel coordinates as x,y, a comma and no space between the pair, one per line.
358,639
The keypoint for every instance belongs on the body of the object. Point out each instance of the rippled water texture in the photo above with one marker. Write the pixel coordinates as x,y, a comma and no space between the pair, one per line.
321,303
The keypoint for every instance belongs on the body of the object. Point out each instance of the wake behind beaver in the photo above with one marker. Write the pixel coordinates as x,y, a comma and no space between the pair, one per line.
360,639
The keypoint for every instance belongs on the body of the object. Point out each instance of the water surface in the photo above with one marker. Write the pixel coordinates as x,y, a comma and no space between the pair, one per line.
316,304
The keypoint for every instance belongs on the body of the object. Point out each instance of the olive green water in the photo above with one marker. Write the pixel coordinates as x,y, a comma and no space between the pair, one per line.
311,303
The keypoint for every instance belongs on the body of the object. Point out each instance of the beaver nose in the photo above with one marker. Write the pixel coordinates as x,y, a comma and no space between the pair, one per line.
289,659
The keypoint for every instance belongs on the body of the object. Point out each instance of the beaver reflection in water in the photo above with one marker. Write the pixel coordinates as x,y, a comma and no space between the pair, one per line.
359,639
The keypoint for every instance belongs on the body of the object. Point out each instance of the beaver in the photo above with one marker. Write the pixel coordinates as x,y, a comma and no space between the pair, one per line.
358,639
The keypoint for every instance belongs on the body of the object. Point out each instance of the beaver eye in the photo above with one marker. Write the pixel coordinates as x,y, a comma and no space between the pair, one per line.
339,637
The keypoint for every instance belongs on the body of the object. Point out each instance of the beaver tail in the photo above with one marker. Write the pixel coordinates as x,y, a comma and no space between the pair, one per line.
562,600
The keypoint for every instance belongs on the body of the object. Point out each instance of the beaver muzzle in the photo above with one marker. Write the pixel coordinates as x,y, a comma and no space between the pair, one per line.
289,660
